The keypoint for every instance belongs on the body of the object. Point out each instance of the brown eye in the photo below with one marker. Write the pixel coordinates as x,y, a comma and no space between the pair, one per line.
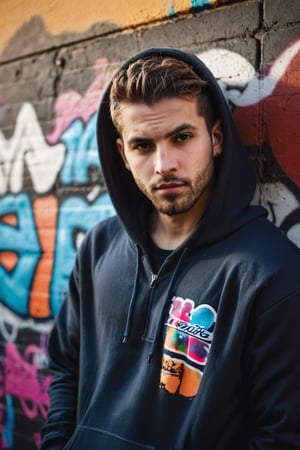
143,146
182,137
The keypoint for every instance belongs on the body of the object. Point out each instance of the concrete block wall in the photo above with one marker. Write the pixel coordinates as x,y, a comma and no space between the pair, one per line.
55,62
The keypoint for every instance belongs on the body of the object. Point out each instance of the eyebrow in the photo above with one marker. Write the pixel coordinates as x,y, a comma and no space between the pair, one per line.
179,129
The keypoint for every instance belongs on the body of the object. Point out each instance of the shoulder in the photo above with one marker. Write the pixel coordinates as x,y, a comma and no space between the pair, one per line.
260,264
103,236
108,227
272,262
263,242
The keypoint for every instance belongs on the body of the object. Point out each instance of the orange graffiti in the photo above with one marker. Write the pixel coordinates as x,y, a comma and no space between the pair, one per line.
9,259
10,219
45,213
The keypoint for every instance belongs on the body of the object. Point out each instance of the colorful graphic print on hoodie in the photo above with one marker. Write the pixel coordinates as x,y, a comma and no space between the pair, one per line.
188,337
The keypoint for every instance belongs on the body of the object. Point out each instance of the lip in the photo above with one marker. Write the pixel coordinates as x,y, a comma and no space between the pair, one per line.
169,187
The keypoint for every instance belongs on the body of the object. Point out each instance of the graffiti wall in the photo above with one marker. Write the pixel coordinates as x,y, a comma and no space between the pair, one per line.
52,193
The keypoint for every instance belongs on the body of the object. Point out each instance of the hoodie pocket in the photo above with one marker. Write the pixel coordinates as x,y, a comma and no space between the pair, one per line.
97,439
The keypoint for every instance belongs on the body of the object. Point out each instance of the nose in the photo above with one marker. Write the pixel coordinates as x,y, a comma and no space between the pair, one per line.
165,159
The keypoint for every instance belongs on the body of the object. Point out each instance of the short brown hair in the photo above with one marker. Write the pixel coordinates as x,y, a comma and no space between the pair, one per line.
153,78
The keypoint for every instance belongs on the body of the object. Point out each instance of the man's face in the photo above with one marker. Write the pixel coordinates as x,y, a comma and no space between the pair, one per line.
170,153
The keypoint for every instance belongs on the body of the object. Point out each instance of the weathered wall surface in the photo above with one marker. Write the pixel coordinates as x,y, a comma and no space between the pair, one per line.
55,60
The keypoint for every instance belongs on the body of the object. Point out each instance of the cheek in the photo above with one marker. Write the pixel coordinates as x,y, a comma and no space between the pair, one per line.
140,173
199,159
140,167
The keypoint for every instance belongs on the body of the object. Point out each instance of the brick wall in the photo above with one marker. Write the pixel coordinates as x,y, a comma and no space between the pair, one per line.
51,189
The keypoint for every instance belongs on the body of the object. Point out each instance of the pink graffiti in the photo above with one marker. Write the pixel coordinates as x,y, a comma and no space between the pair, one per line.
37,439
280,112
71,105
21,380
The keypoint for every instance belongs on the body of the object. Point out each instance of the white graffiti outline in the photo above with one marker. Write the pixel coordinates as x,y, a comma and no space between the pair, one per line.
232,69
28,145
15,323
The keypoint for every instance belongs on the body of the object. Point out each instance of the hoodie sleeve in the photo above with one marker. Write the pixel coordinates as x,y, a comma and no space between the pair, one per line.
63,352
273,366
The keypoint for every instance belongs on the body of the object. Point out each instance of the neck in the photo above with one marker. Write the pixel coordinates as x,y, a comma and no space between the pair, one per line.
168,232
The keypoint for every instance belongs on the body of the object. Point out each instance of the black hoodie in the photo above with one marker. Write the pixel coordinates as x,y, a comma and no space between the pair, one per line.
204,356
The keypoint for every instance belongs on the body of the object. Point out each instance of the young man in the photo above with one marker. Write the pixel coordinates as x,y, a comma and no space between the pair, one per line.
181,328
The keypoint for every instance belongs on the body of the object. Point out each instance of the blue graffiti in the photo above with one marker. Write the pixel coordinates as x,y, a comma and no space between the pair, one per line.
9,423
171,11
199,4
196,5
75,217
22,240
82,151
75,214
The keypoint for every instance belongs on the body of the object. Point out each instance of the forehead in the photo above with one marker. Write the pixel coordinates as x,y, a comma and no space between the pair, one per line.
162,116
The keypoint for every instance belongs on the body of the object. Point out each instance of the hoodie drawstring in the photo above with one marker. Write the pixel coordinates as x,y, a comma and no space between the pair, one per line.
162,314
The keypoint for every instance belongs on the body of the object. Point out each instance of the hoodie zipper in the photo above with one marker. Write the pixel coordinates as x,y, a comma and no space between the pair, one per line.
152,283
168,296
153,279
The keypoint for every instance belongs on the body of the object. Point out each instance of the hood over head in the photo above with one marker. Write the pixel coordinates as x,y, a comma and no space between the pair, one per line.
235,180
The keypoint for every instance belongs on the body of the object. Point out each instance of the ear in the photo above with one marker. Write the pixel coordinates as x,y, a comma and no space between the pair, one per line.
217,138
120,146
